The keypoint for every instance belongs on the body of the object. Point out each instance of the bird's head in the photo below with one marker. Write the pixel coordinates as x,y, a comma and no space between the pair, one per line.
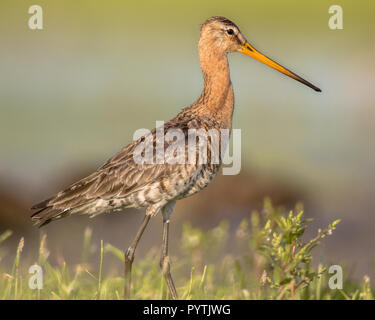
219,36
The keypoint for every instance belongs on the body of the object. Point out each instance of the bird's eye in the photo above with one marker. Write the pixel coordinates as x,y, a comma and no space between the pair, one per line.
230,31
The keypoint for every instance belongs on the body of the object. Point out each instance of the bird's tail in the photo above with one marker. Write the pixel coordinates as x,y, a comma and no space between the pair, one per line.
80,197
46,213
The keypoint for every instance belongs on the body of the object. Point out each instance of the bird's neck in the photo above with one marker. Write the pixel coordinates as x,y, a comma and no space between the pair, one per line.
217,96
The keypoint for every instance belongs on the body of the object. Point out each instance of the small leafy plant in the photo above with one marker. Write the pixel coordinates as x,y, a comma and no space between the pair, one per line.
288,257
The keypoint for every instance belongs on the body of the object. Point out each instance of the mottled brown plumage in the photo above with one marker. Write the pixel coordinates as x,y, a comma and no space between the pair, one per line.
122,183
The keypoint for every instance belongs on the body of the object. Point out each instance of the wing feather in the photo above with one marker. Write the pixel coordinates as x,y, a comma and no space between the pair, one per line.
119,177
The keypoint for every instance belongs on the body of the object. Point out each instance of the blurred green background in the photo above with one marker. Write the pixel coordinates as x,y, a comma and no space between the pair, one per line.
74,93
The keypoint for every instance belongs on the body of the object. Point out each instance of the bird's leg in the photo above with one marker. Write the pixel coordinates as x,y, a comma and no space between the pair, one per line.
164,260
129,255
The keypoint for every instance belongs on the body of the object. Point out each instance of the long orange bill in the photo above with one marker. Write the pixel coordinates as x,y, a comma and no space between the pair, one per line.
250,51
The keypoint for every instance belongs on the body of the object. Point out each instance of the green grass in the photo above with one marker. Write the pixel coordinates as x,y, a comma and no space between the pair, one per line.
267,259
